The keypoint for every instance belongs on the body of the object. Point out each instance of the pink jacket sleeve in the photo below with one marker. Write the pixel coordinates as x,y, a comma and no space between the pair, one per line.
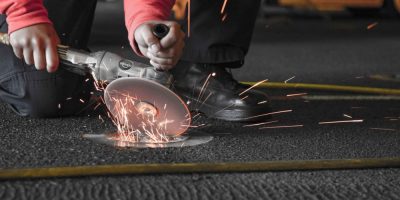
23,13
140,11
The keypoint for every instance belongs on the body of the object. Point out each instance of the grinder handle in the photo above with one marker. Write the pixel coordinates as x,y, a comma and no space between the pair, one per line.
160,31
5,39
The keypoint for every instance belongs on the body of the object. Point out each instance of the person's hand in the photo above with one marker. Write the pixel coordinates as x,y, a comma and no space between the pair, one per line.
37,44
164,53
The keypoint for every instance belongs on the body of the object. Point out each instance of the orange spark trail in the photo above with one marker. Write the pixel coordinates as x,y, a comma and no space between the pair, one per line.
271,113
148,129
203,87
259,124
371,26
253,86
223,6
289,126
343,121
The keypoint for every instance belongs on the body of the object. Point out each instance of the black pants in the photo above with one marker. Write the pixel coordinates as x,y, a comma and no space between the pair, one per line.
214,40
40,94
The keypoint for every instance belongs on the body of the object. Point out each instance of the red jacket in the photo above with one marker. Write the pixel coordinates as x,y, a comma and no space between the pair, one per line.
23,13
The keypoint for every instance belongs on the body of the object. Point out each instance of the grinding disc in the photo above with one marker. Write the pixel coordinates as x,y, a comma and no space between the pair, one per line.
141,104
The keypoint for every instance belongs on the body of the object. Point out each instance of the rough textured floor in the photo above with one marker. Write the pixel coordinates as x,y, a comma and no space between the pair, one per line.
356,184
339,51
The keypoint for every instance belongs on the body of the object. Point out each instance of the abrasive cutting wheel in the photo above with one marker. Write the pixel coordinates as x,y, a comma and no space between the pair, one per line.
146,106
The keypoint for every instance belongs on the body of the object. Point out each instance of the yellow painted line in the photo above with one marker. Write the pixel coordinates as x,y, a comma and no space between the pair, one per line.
179,168
343,88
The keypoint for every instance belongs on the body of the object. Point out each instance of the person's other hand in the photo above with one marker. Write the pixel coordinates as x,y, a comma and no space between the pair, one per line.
37,44
164,53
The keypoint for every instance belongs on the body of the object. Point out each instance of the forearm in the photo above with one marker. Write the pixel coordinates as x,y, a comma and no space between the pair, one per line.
23,13
140,11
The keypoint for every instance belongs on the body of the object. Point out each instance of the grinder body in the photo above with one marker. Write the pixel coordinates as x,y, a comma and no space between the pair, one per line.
111,66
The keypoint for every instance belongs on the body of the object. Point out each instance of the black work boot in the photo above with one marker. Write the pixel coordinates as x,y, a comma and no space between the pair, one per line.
211,89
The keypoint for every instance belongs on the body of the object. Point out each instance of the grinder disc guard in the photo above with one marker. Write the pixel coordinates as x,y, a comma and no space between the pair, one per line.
145,106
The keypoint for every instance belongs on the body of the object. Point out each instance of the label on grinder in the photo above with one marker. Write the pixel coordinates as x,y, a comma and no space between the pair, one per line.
125,64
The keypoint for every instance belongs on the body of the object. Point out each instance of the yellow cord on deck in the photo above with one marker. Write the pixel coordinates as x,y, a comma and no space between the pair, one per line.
343,88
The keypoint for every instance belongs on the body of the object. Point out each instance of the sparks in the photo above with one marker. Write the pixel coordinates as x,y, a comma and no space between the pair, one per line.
223,6
262,102
149,129
224,17
182,144
81,100
225,108
194,126
97,105
297,94
347,116
371,26
289,79
68,98
390,117
100,118
271,113
87,80
343,121
59,106
253,86
289,126
383,129
259,124
196,115
205,84
244,97
202,103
